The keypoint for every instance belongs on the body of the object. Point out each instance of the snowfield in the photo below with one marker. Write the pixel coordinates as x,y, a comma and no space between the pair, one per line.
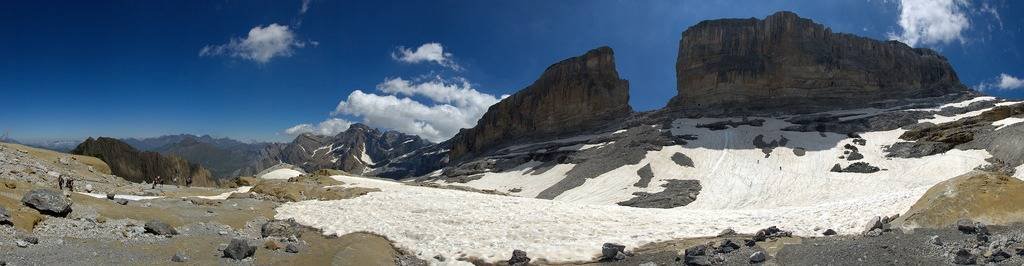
741,189
430,221
283,173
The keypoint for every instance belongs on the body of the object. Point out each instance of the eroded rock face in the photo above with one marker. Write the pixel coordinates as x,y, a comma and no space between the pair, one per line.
574,95
788,64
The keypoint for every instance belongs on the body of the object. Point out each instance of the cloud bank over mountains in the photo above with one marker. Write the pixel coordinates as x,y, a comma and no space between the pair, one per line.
434,108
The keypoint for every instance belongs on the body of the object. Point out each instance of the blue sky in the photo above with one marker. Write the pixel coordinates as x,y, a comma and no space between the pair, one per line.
259,70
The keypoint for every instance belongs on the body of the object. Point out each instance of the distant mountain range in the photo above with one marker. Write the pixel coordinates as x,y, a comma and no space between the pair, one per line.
358,150
61,145
224,157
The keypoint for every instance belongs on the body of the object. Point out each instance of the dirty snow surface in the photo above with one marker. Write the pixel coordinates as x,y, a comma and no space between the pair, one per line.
741,189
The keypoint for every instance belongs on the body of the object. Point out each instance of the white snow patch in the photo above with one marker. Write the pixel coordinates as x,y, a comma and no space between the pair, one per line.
960,104
523,177
466,224
127,197
134,197
329,147
283,173
225,195
1019,172
1005,122
939,119
365,157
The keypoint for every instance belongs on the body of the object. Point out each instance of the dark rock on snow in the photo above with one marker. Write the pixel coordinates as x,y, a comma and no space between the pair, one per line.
916,149
861,167
677,193
612,251
829,232
519,258
682,159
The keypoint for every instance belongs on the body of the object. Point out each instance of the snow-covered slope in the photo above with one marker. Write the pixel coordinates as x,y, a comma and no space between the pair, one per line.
736,175
751,176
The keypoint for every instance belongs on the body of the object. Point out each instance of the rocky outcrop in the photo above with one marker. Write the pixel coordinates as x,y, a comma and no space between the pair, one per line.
574,95
992,198
136,166
358,150
977,132
789,64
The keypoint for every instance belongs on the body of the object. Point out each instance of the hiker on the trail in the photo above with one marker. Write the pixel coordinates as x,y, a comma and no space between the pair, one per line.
156,180
188,181
60,182
71,184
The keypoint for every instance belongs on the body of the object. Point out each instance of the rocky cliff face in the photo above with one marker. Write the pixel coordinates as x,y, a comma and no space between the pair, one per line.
357,150
571,96
788,64
136,166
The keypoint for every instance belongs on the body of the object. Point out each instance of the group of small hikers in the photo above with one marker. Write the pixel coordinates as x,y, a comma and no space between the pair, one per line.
69,183
158,180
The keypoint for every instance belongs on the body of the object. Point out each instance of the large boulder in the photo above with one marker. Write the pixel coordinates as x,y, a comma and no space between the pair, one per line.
574,95
239,249
788,64
160,228
48,201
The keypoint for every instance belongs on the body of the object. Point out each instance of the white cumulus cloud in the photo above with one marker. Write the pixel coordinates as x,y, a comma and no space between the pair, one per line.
261,44
447,106
928,22
328,127
428,52
1003,82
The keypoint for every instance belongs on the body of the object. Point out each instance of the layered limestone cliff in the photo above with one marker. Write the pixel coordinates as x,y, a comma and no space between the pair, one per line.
574,95
789,64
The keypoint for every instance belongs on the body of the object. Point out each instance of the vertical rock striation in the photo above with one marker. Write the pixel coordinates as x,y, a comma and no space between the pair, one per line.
789,64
